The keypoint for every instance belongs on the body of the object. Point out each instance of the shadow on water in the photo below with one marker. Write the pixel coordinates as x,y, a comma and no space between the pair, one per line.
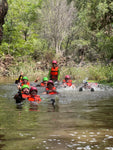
70,121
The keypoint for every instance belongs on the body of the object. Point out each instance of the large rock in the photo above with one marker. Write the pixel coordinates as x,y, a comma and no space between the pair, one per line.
3,12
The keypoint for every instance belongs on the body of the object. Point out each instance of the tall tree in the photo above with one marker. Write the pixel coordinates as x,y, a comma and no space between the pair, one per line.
57,18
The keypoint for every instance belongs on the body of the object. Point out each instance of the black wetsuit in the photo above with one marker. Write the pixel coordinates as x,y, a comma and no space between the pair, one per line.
18,97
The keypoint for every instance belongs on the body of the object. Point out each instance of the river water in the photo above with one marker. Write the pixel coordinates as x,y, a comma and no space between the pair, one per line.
79,121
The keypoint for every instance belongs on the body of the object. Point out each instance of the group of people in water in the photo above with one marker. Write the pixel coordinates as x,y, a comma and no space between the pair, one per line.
25,91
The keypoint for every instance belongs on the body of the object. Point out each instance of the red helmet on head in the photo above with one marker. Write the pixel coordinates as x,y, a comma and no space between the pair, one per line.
67,77
54,62
33,89
50,81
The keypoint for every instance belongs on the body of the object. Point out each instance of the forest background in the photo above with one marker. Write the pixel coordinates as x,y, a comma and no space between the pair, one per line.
78,34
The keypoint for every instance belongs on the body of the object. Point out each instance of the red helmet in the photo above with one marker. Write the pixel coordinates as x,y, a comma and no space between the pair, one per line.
54,62
67,77
50,81
33,89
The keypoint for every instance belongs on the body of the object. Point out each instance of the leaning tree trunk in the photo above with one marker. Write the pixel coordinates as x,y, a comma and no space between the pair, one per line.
3,12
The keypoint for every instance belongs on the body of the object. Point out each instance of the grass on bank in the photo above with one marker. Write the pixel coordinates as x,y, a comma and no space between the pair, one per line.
28,68
99,73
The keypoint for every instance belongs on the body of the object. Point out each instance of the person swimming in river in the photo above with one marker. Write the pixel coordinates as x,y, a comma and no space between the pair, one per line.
24,82
33,97
67,82
50,89
54,72
43,83
22,94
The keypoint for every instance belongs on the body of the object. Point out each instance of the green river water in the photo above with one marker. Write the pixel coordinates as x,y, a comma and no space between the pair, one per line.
79,121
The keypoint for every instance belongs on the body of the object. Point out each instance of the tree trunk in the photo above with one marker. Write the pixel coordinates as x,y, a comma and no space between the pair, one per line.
3,12
57,46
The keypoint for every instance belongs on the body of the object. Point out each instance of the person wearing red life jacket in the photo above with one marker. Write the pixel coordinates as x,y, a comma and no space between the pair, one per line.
67,81
54,72
33,97
50,89
22,95
24,82
43,83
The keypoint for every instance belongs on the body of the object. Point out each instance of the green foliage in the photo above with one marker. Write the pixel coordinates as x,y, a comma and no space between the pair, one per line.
97,73
89,30
26,65
21,29
93,30
101,73
105,44
102,9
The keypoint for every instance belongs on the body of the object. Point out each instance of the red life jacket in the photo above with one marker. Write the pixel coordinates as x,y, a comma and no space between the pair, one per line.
35,98
43,85
54,73
25,95
26,84
68,83
51,93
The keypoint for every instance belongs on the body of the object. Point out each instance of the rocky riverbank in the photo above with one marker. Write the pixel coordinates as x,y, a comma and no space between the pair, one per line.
5,63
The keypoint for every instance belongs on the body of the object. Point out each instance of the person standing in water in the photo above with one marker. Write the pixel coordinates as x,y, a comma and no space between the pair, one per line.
54,72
